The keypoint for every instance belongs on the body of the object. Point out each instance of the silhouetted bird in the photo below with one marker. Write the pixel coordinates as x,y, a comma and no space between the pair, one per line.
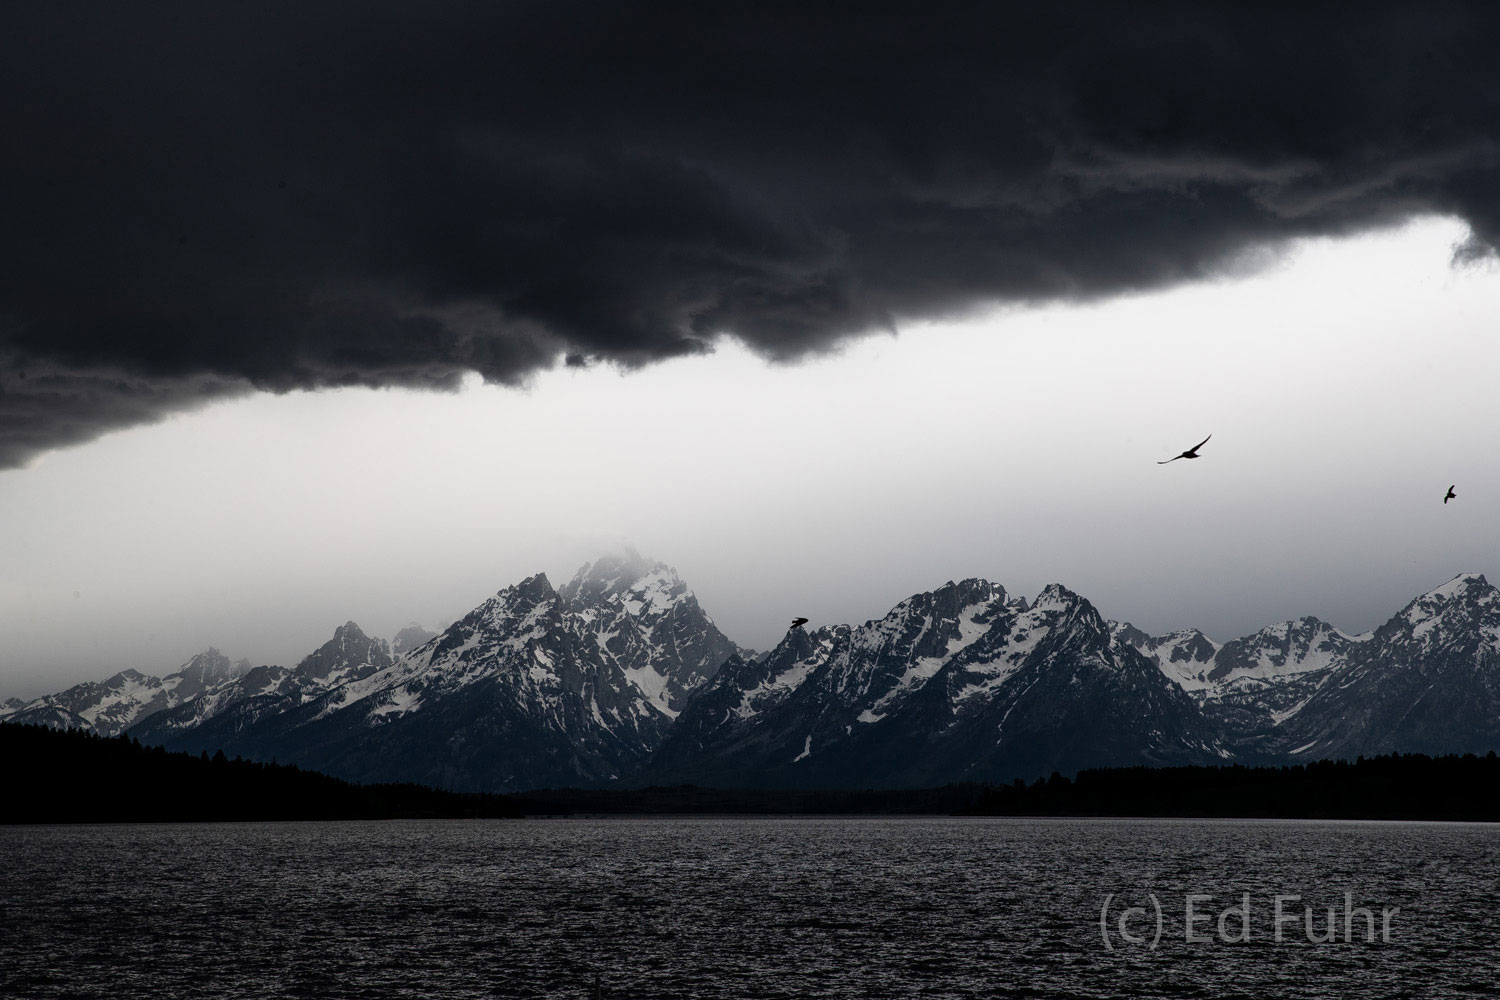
797,623
1451,495
1190,453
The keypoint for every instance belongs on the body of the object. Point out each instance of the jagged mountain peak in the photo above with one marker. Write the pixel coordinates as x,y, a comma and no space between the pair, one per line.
410,637
974,590
209,667
1186,644
1055,593
1465,595
799,646
519,607
1185,656
799,643
349,634
974,586
515,601
1307,623
1058,601
1056,597
927,622
641,615
876,666
349,655
1298,646
1305,629
1465,588
535,587
624,575
1463,612
945,602
1463,581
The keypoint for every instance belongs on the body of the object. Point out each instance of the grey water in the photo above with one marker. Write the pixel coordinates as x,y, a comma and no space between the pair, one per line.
744,907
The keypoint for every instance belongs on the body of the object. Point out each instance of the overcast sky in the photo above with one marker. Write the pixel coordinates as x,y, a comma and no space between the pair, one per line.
365,309
1345,387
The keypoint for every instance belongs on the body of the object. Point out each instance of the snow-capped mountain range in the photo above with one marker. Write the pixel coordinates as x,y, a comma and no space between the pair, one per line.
963,683
110,707
536,686
620,676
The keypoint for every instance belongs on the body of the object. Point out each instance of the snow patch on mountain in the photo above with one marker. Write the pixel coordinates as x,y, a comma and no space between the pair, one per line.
395,701
969,628
806,750
774,689
1027,631
641,615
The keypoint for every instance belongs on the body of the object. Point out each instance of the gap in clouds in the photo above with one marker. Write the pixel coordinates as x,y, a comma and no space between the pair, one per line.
1345,388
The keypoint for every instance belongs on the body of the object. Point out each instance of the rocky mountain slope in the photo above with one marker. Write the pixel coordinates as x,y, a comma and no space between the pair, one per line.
534,687
963,683
1427,681
111,706
1423,682
269,690
620,676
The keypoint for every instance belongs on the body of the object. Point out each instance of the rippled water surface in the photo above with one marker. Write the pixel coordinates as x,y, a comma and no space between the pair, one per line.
730,907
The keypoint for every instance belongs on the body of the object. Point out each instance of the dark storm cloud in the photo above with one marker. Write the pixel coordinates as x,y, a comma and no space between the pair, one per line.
209,198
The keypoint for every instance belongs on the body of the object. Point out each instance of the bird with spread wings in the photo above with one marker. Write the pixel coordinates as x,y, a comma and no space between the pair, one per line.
1190,453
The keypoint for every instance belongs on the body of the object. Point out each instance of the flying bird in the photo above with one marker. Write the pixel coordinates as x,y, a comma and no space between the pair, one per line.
797,623
1451,495
1190,453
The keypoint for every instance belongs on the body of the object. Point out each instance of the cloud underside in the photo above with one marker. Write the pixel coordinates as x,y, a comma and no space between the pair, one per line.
204,201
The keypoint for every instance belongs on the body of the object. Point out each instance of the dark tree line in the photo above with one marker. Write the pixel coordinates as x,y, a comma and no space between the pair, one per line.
57,776
1396,786
72,776
1399,786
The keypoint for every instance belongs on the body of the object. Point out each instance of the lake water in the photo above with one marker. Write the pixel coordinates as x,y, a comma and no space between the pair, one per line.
758,908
